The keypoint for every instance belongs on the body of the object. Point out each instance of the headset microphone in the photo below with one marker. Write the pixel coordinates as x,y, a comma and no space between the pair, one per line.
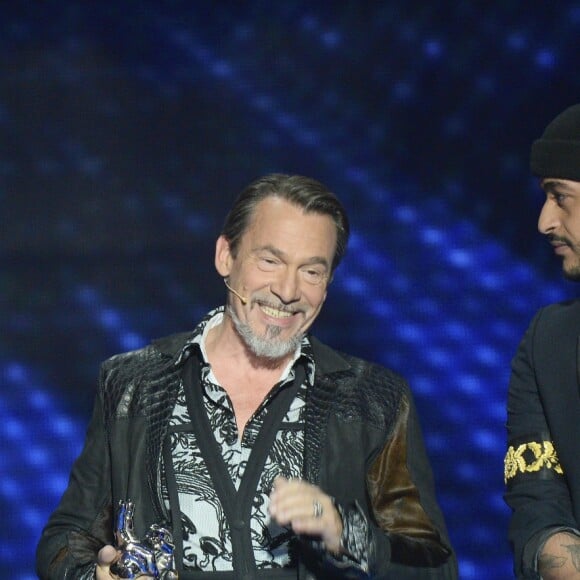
244,301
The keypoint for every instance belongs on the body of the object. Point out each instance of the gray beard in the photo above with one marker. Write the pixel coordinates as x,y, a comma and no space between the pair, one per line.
266,346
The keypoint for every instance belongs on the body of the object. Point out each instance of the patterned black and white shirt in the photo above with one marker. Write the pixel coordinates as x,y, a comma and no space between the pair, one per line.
206,537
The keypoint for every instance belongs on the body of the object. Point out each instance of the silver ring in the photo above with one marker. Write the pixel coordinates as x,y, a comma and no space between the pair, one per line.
317,506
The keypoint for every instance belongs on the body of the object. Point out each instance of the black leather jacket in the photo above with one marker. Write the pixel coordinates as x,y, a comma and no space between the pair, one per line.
363,444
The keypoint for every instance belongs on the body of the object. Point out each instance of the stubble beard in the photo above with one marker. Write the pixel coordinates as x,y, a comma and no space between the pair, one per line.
570,269
573,272
267,346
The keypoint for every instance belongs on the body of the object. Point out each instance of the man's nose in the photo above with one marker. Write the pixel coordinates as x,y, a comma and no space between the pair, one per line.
548,220
286,286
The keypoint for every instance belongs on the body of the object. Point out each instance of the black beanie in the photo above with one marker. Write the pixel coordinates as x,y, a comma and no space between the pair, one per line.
557,152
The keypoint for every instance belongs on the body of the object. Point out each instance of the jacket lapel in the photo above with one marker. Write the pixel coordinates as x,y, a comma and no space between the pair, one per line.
329,366
160,389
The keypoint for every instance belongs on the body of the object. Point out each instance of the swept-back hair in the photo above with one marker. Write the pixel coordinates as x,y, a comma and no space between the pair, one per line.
304,192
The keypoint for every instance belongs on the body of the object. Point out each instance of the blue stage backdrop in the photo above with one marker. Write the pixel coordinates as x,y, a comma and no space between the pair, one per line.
126,130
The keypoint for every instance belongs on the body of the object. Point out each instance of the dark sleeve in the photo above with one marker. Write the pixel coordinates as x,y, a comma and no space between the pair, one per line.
82,521
404,536
408,537
536,488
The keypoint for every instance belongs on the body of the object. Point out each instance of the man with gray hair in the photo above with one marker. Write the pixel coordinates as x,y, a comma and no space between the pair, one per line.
246,448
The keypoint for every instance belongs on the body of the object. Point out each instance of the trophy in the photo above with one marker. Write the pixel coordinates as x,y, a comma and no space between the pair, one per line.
151,557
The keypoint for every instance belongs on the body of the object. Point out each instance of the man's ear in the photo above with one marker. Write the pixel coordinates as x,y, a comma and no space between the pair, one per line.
223,257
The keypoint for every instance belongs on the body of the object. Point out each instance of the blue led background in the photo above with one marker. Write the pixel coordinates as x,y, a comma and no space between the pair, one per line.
126,130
